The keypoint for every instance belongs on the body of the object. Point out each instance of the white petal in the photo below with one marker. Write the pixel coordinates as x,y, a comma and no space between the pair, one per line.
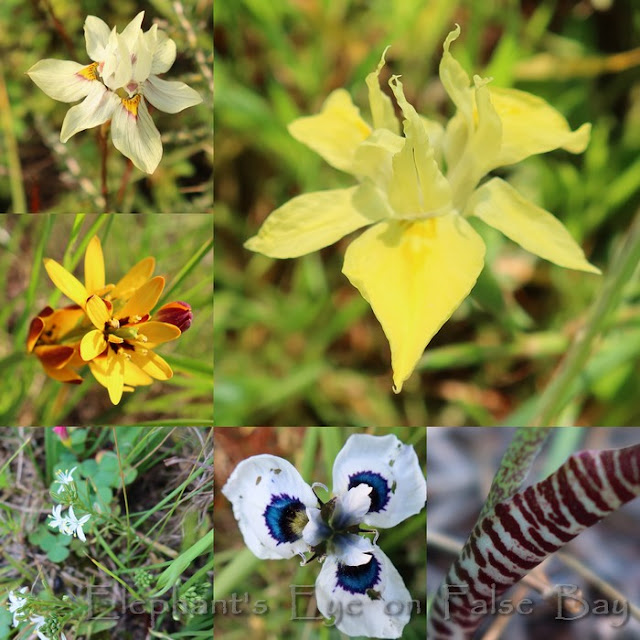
351,550
130,32
135,135
391,468
351,507
143,57
169,96
61,79
367,600
96,34
260,489
316,530
95,109
117,69
163,48
80,534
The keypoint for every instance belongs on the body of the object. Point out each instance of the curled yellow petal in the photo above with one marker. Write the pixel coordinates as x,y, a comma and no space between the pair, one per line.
414,274
92,345
533,228
152,364
98,312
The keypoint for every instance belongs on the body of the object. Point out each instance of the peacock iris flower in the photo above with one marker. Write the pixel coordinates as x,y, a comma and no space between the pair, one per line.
420,257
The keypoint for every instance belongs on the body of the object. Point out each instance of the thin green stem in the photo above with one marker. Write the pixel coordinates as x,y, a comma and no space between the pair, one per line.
561,388
18,200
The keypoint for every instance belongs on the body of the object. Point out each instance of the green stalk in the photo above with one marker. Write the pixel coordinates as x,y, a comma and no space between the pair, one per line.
18,200
560,390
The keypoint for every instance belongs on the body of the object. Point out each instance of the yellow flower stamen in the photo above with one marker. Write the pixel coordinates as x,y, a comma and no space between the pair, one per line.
90,72
131,104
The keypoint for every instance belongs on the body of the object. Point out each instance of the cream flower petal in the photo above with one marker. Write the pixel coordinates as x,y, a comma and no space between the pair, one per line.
335,132
95,109
309,222
414,275
131,31
96,34
135,135
170,96
62,79
164,50
533,228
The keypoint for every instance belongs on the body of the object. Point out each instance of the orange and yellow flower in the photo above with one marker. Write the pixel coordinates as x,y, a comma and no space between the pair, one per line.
109,327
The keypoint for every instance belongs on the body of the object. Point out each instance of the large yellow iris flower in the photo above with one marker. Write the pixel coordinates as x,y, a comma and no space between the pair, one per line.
420,257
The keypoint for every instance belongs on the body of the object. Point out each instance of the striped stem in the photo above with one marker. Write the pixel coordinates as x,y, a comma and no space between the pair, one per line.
519,533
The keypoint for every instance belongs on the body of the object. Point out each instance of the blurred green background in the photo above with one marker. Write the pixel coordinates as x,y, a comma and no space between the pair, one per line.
296,344
238,572
182,247
38,173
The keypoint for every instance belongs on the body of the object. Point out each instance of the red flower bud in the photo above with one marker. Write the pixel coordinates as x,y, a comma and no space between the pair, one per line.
176,313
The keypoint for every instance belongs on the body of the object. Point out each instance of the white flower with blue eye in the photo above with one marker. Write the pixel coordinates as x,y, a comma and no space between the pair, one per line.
377,482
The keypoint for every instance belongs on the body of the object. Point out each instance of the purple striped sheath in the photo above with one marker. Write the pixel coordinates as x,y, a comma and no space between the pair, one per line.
519,533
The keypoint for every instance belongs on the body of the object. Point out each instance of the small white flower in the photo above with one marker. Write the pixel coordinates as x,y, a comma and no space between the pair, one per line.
15,605
65,477
60,521
38,621
75,524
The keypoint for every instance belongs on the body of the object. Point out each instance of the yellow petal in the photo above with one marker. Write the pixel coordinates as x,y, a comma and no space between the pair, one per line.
382,111
115,376
158,332
335,132
152,364
134,279
533,228
309,222
92,345
67,283
134,376
417,185
64,374
530,125
414,275
144,299
94,266
98,312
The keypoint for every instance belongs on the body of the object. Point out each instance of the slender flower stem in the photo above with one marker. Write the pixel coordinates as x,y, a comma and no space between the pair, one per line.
561,389
102,141
124,183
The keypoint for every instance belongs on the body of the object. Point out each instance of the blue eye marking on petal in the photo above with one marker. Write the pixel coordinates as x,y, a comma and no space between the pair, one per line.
358,579
379,488
280,517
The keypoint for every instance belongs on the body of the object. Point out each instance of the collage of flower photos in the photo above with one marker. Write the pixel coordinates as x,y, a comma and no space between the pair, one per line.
425,216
